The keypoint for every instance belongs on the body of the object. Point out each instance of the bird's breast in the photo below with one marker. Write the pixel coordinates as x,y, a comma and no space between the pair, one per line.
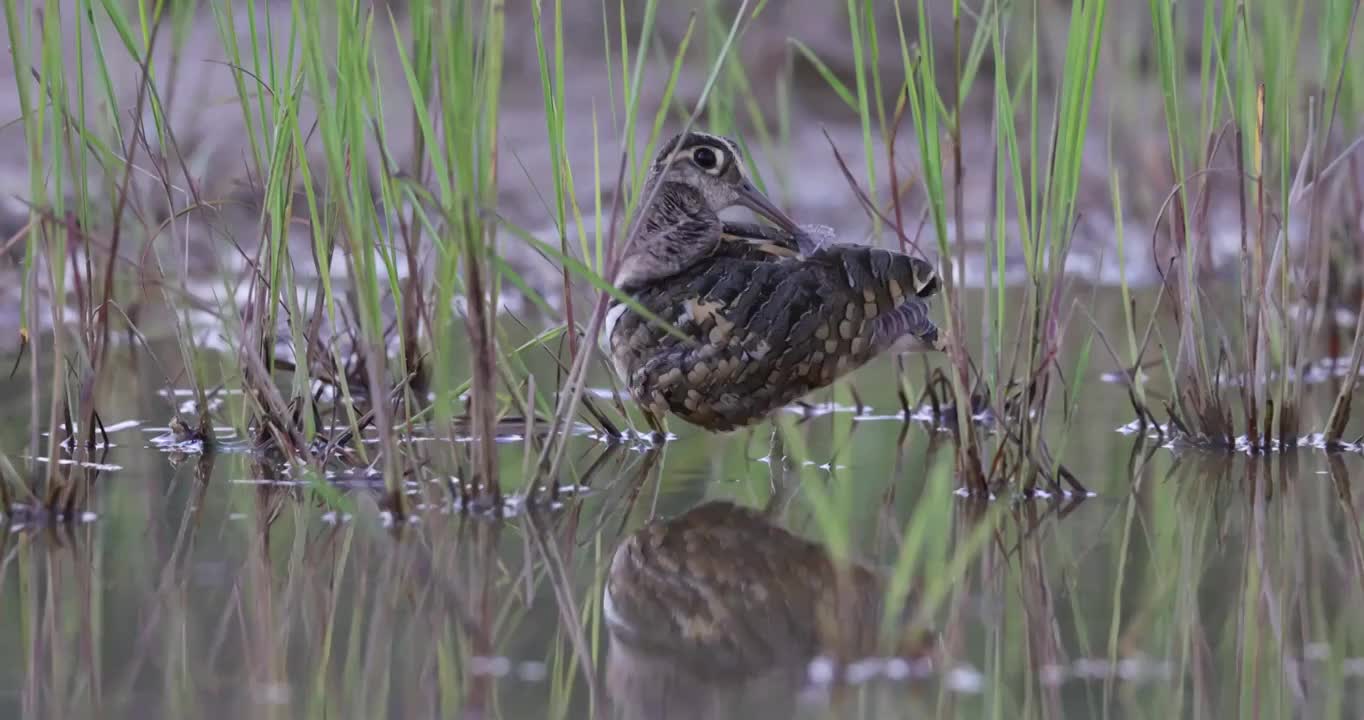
607,339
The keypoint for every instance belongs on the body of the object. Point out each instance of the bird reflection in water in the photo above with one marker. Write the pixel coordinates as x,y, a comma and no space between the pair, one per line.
719,613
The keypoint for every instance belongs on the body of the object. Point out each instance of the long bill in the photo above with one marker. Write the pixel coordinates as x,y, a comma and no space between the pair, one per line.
753,199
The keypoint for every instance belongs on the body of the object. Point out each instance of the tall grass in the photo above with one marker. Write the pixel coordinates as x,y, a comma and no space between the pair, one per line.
401,334
1045,203
423,234
1252,105
1253,98
69,196
372,321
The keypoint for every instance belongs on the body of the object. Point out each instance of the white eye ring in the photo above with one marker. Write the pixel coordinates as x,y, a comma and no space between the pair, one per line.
713,159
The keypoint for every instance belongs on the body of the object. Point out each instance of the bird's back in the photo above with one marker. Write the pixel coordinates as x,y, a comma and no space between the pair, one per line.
763,332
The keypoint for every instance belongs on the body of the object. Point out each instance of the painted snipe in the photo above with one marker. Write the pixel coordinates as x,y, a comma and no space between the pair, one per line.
768,314
721,605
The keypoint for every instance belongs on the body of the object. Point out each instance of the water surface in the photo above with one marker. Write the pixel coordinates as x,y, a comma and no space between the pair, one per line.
1191,584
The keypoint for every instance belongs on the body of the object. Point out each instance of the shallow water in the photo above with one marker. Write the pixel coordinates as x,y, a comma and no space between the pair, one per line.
207,585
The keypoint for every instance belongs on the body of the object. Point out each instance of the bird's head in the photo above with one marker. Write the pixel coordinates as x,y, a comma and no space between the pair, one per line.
714,166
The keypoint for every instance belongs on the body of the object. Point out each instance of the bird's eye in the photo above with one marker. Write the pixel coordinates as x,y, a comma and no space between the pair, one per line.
705,158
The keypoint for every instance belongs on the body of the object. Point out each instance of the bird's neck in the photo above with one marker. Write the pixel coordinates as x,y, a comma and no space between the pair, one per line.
677,230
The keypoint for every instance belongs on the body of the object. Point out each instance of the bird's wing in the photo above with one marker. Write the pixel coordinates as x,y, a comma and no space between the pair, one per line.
908,322
777,242
757,242
867,267
764,333
818,243
894,288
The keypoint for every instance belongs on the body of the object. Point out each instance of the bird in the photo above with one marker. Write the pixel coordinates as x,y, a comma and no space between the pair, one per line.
722,595
757,317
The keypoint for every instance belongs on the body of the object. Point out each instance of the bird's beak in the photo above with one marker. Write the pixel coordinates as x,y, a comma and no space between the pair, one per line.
753,199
